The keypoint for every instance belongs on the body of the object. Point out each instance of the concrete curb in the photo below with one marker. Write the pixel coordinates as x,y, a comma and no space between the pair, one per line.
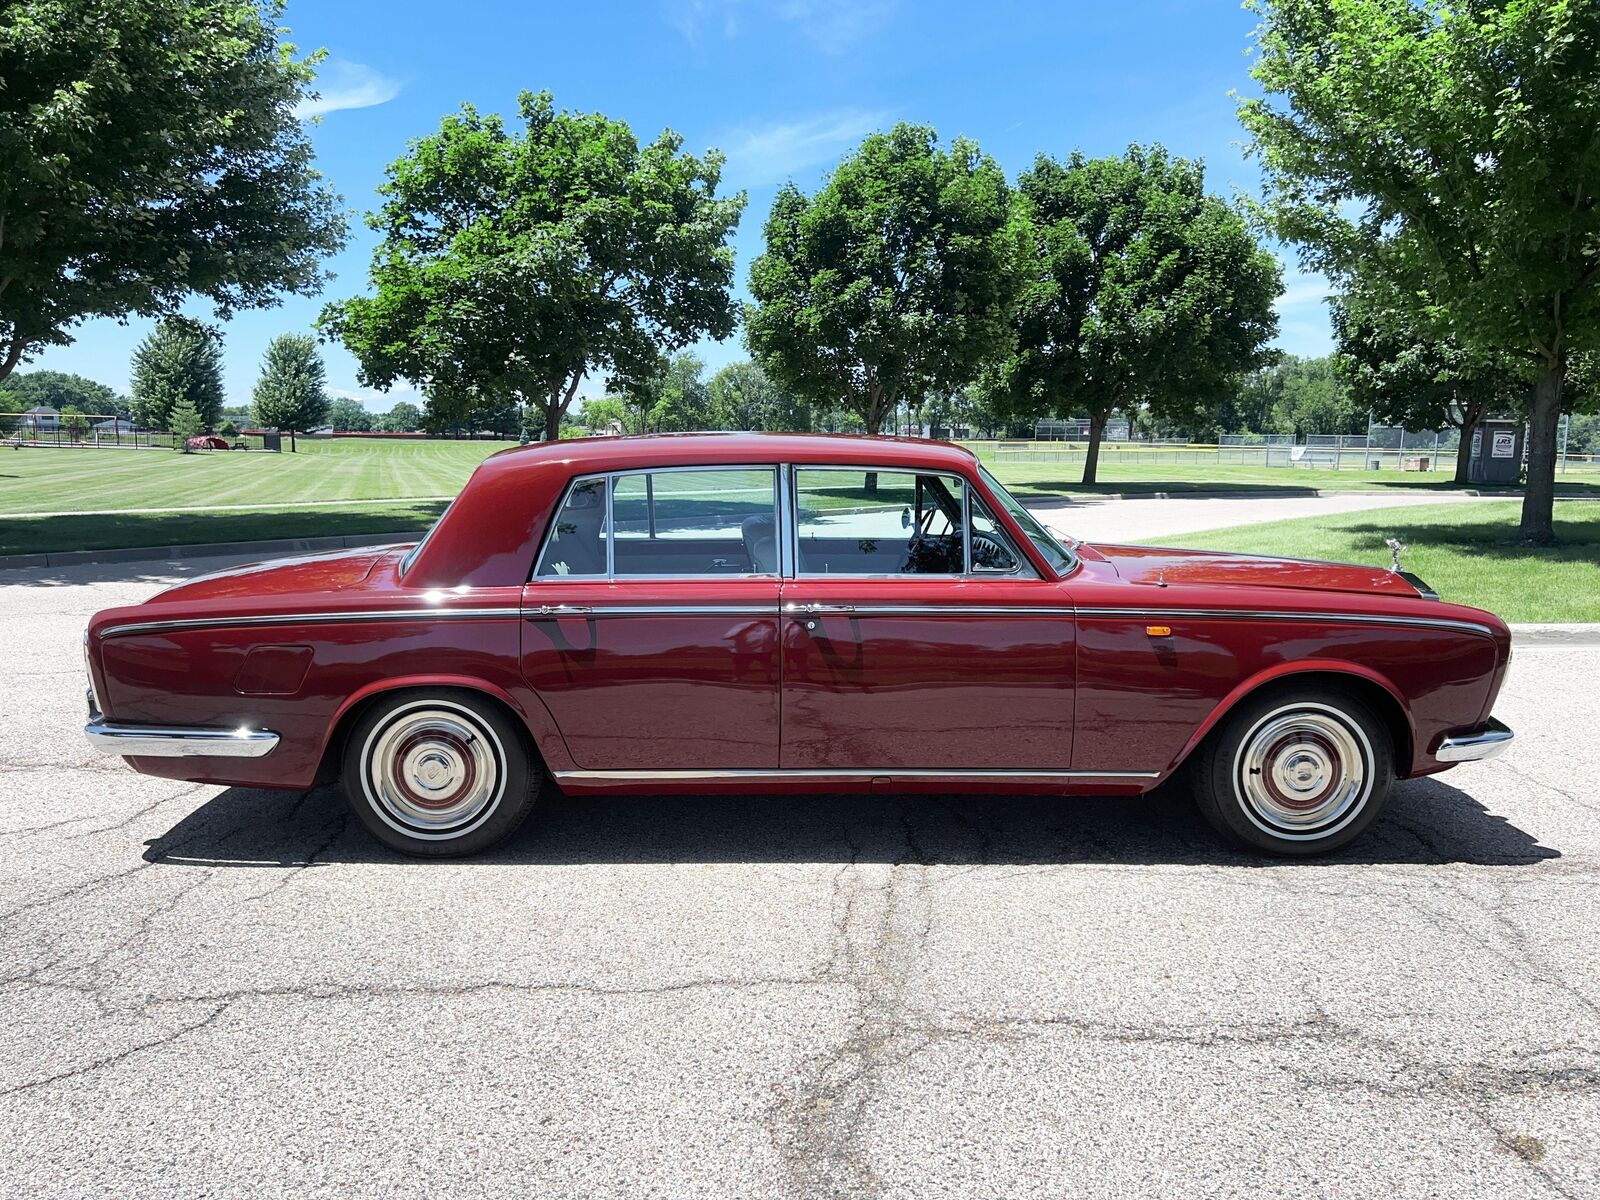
133,554
1547,636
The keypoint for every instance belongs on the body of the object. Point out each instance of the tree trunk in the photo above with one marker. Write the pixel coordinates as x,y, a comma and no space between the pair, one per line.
1538,502
552,421
1471,417
1091,461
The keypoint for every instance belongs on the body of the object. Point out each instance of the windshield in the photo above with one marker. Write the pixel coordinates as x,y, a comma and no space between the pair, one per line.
1055,554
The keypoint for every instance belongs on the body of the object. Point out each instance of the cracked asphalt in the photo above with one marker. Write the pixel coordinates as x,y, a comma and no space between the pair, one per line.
223,992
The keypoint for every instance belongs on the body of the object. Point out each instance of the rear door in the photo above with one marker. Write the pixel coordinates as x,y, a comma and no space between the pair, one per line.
651,623
915,636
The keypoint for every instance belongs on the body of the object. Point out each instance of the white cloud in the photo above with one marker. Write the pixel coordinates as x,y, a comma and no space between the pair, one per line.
341,85
773,153
832,25
1304,290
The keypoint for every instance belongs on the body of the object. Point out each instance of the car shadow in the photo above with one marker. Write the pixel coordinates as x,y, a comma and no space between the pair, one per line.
1425,822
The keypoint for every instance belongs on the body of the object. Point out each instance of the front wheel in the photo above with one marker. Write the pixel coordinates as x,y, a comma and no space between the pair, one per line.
1296,772
438,773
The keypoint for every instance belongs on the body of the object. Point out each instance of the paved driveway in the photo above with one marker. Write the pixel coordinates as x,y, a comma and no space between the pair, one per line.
216,991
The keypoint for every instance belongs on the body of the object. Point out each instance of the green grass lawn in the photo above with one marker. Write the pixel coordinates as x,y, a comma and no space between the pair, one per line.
1467,553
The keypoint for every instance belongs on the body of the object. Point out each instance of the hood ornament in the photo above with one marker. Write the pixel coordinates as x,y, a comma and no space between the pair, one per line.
1396,549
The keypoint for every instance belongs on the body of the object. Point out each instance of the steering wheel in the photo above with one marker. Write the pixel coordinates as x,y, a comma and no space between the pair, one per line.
991,554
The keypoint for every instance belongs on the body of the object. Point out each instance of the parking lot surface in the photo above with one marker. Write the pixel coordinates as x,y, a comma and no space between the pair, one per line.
217,991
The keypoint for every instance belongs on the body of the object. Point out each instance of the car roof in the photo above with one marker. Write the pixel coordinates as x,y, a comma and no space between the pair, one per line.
585,455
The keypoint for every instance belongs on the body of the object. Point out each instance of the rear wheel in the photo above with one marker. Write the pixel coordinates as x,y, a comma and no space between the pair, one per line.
1296,772
438,773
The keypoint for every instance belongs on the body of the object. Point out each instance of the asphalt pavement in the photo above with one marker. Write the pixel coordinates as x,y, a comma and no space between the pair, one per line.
226,992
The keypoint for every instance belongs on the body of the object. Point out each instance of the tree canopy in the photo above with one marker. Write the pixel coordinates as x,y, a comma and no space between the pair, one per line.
29,389
404,417
743,396
178,360
1140,289
291,394
349,415
1445,153
150,151
514,262
892,282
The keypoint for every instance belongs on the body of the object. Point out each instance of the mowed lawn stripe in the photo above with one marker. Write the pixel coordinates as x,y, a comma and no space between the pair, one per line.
74,481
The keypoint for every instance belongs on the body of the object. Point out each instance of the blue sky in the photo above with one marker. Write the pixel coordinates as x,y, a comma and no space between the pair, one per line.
783,87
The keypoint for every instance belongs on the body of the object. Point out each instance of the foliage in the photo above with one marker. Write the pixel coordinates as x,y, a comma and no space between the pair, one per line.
1142,289
73,421
513,263
1446,155
482,414
671,396
30,389
185,421
291,394
1409,378
151,151
597,414
404,417
892,282
1294,395
743,396
349,415
228,429
178,359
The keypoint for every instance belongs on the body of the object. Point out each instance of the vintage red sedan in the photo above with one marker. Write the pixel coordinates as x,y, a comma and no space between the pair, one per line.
724,612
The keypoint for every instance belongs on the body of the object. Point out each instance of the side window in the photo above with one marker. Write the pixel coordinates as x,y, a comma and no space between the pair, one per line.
576,543
992,552
853,521
720,521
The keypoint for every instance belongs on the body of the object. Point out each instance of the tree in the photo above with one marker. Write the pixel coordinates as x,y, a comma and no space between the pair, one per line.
179,359
743,396
1298,396
514,263
1142,289
404,417
185,422
30,389
228,429
1408,378
151,152
291,394
1448,151
596,415
894,281
349,415
670,397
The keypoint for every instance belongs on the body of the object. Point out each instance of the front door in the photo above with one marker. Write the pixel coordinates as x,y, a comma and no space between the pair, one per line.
911,644
650,626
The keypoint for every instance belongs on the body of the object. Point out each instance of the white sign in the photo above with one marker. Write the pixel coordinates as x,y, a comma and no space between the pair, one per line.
1505,444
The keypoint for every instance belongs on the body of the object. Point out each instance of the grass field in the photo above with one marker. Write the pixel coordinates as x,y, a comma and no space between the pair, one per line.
92,499
1465,552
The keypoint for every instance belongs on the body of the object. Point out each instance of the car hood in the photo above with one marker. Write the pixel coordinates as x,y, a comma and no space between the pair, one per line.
1161,564
330,571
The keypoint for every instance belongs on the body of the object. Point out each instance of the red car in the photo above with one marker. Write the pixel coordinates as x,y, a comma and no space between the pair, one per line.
729,612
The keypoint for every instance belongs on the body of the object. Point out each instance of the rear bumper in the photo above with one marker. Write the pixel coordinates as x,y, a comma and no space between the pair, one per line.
165,741
1488,741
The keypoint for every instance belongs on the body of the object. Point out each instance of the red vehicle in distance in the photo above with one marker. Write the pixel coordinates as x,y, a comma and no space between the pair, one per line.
791,613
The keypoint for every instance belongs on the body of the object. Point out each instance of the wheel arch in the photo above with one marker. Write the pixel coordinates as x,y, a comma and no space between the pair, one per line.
361,701
1373,689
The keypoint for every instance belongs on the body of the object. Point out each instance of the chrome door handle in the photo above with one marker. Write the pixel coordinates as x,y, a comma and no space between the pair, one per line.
562,610
819,608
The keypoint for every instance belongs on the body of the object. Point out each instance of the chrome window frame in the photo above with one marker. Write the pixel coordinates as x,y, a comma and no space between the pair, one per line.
1023,570
983,476
611,478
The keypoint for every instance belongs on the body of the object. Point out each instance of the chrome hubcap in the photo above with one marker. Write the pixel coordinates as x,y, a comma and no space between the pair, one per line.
1303,772
434,770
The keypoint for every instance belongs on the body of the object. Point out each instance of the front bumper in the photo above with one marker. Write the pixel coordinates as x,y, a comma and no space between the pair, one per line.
165,741
1490,741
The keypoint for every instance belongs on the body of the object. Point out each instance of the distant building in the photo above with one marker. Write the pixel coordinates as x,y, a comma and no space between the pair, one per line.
39,418
112,428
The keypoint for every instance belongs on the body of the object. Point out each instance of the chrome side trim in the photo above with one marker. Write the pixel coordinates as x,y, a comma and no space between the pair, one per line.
808,609
160,741
850,774
1493,740
324,618
550,612
1235,614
